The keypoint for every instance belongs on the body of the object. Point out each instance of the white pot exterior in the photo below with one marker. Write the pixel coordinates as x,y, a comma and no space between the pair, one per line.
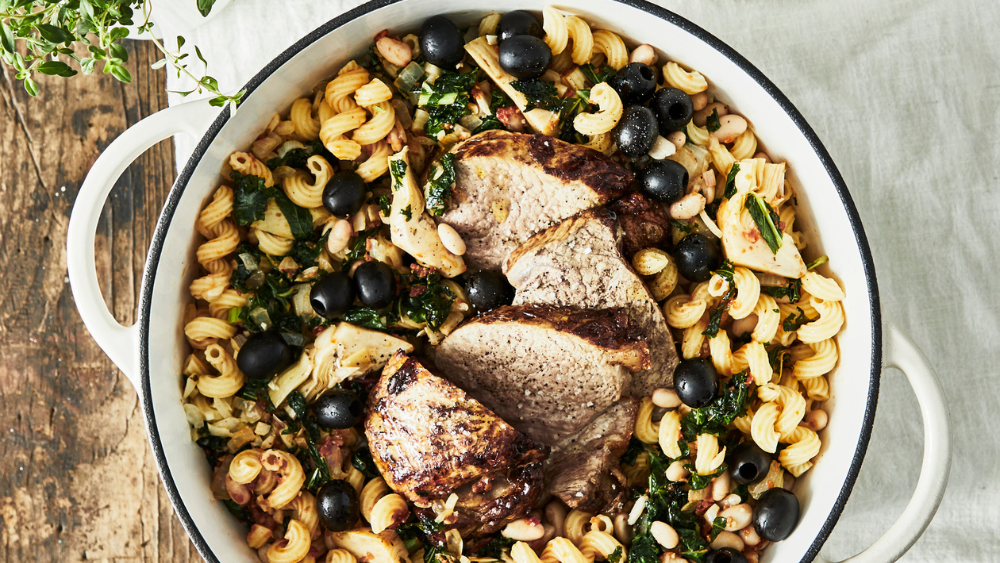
832,227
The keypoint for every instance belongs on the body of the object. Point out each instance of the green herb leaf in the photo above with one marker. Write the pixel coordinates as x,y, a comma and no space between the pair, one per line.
698,481
440,182
727,407
53,33
384,204
298,404
597,76
407,212
427,301
712,122
760,212
397,168
725,271
363,462
817,262
731,180
792,322
366,318
793,290
56,68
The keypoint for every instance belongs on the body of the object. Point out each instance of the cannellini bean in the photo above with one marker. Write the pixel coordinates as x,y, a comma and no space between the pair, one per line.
637,508
373,213
731,500
671,557
550,532
664,534
644,54
340,236
687,207
555,514
730,127
720,486
623,532
744,325
701,116
525,529
666,398
737,517
678,138
662,148
815,420
699,101
752,557
749,536
727,539
763,155
396,52
676,471
451,240
711,514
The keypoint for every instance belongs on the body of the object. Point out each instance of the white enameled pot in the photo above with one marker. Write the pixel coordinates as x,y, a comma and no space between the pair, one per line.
151,351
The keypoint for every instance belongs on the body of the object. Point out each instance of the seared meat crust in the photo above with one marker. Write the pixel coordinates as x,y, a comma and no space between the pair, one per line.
646,223
429,439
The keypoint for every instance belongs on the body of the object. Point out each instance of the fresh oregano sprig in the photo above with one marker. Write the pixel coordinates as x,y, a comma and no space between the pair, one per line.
49,29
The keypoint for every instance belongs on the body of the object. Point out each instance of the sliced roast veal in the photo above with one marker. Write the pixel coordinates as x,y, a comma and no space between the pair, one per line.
579,263
509,186
548,371
429,440
583,470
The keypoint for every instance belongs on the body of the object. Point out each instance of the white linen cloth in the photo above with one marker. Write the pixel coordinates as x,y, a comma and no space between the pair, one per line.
905,95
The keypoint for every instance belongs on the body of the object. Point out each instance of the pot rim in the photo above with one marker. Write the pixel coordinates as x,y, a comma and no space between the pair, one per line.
169,207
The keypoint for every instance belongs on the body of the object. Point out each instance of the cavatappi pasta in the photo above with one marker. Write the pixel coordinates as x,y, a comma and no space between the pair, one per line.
272,233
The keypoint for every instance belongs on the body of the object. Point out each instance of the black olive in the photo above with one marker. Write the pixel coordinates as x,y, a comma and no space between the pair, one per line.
337,505
748,463
518,22
263,355
338,409
488,290
635,83
375,284
636,131
726,555
673,109
696,382
776,514
663,180
441,42
332,295
344,194
525,56
696,257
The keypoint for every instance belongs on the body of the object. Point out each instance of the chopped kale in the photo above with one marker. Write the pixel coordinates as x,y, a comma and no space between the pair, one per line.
793,290
727,407
241,275
614,557
488,123
743,491
731,180
236,510
635,447
765,218
298,404
499,99
384,204
306,252
644,549
250,197
596,76
776,357
494,549
712,122
440,182
359,248
539,93
693,546
299,218
715,316
397,168
446,101
363,462
793,322
817,262
366,317
718,525
297,158
427,301
698,481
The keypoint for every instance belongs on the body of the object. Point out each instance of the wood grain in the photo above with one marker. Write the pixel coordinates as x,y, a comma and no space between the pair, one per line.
77,479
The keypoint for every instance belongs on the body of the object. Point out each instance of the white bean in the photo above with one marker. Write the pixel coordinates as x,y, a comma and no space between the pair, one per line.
623,532
676,471
763,155
637,508
749,536
744,325
731,500
701,116
340,236
815,420
678,138
662,148
699,101
525,529
687,207
737,517
711,514
550,532
671,557
451,240
643,54
666,398
396,52
727,539
664,534
720,486
730,127
555,514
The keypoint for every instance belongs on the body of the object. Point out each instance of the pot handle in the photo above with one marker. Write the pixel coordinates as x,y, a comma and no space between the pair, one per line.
902,353
119,342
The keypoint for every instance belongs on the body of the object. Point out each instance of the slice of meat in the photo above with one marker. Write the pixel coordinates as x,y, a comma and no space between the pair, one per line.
509,186
429,440
546,370
646,223
579,263
583,470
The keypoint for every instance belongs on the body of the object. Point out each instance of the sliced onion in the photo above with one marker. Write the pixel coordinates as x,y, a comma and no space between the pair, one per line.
248,262
289,146
255,280
409,76
293,338
260,318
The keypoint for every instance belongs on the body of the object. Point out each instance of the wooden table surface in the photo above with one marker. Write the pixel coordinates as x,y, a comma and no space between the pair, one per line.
77,479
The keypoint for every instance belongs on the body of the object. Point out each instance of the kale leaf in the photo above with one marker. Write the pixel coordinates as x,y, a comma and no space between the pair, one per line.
792,322
363,462
306,252
765,218
250,197
793,290
297,158
440,182
698,481
427,301
712,122
731,180
446,100
726,272
366,317
596,76
299,218
727,407
540,93
397,168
